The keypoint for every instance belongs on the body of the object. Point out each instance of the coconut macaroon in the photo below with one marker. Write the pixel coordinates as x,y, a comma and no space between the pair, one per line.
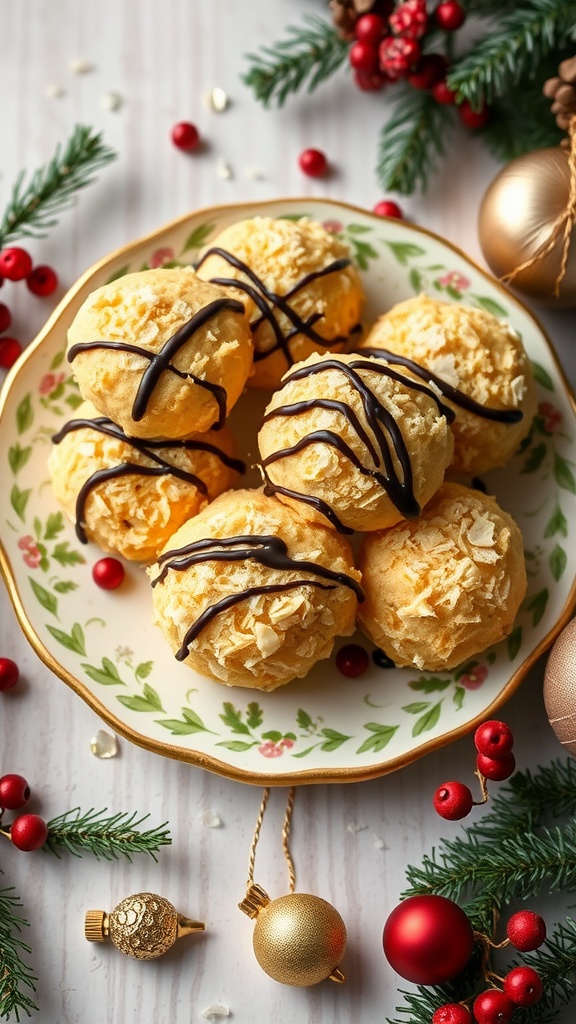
303,293
161,353
480,366
352,445
250,594
445,587
129,495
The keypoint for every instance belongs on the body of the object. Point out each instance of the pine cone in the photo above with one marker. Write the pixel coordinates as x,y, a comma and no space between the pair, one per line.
345,14
562,90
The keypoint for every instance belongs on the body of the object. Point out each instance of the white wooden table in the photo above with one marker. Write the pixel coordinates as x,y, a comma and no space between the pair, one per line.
160,58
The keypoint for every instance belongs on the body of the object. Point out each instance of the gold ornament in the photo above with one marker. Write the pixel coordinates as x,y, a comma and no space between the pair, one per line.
143,926
299,939
560,687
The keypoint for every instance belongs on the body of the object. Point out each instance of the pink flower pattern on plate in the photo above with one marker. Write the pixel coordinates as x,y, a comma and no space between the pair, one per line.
551,417
271,749
32,555
454,279
474,678
160,257
50,382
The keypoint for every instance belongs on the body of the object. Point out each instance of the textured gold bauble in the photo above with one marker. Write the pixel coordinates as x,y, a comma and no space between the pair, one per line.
560,687
144,926
516,218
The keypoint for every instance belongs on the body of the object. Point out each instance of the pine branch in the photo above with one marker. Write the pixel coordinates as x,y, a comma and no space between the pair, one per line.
411,142
308,57
513,50
33,207
15,975
106,837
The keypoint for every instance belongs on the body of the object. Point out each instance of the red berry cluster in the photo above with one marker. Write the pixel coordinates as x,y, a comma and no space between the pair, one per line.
16,265
27,831
494,761
390,46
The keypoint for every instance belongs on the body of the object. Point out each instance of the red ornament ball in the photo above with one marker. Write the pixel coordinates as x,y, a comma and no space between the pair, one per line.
10,349
523,986
15,263
185,136
492,1007
386,208
453,800
451,1013
14,792
369,28
28,832
42,280
526,930
352,660
496,770
5,317
449,15
428,939
363,57
313,163
494,739
473,118
108,573
9,673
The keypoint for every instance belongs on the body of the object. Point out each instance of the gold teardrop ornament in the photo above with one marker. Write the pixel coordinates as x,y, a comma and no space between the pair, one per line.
144,926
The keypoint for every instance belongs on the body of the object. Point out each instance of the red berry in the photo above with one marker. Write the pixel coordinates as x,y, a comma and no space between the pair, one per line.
429,69
370,83
451,1013
14,792
523,986
29,832
352,660
492,1007
397,56
496,770
9,673
185,136
42,280
5,317
1,280
453,800
449,15
442,94
473,118
410,19
10,349
363,57
526,930
313,163
108,573
494,739
15,263
369,28
386,208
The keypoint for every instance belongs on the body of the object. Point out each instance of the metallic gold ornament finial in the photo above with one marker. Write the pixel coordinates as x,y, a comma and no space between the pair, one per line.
144,926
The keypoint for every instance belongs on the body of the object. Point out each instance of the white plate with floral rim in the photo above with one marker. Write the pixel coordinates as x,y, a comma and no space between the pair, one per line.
326,728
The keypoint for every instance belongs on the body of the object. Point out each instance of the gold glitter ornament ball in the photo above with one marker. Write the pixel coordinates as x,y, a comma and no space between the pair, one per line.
299,939
560,687
144,926
517,216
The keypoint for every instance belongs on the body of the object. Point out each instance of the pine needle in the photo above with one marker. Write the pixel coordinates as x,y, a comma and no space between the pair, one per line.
107,837
15,975
412,141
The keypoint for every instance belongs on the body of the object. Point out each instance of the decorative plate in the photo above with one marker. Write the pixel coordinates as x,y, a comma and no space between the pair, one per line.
326,728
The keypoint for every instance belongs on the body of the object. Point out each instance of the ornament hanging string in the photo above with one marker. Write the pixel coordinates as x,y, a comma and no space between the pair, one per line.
285,838
562,226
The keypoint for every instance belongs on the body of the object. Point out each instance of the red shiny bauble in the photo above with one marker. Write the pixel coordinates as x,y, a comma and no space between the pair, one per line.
428,939
108,573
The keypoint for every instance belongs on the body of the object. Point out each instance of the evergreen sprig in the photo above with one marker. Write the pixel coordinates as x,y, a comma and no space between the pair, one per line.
104,836
15,975
33,206
412,141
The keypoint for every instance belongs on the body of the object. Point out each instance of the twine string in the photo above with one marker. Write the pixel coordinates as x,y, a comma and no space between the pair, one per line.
562,227
285,837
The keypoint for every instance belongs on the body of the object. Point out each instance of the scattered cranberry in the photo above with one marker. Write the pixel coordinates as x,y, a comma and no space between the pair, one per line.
352,660
369,28
523,986
372,82
496,770
429,70
9,673
185,136
14,792
386,208
15,263
363,57
42,280
494,739
449,15
442,94
313,163
108,573
526,930
453,800
492,1007
10,349
451,1013
473,118
29,832
5,317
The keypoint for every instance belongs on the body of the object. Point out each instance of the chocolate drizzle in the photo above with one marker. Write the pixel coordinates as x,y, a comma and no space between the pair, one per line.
268,301
267,550
150,449
159,362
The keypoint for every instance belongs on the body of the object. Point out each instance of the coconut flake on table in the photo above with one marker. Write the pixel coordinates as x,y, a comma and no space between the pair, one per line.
216,99
54,91
81,66
211,819
215,1011
223,169
111,100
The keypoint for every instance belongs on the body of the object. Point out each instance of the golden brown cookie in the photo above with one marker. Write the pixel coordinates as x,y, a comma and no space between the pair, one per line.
129,495
251,594
303,293
161,353
478,362
444,587
351,446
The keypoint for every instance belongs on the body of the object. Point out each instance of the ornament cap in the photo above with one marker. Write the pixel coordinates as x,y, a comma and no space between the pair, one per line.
255,899
337,975
96,925
187,927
